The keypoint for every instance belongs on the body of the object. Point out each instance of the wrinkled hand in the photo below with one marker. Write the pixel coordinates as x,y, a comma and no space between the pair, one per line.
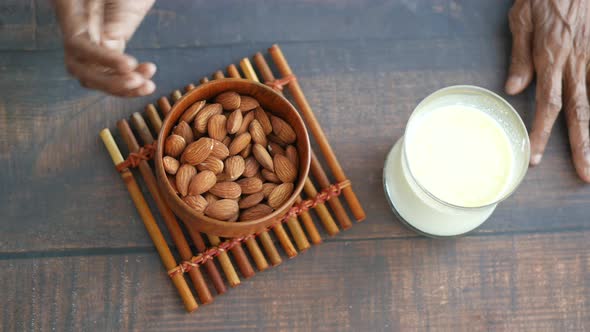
95,33
552,38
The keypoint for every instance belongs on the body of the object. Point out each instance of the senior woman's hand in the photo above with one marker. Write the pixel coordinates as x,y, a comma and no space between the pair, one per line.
95,33
552,39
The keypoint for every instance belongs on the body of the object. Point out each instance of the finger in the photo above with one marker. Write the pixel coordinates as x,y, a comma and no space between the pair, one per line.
577,112
86,51
146,69
112,83
520,73
146,89
548,105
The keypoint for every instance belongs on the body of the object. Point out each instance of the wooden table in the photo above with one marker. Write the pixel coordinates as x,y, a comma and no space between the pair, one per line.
74,255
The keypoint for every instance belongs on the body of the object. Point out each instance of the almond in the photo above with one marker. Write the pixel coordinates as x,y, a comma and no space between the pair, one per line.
211,164
284,169
222,209
267,188
280,195
234,121
201,183
170,165
239,143
245,123
197,203
216,127
196,152
211,198
251,167
174,145
222,177
259,176
172,182
247,151
270,176
220,150
283,130
248,103
184,130
274,149
250,185
235,217
226,141
275,139
226,189
262,117
234,167
257,133
183,178
291,153
262,156
189,115
203,116
250,200
256,212
229,100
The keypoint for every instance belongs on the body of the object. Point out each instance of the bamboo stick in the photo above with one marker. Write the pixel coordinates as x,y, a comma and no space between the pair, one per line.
190,304
321,209
204,80
323,214
218,74
324,182
147,138
169,218
233,72
212,270
248,70
310,229
251,243
153,117
226,264
189,87
285,241
176,94
270,249
279,230
164,106
318,133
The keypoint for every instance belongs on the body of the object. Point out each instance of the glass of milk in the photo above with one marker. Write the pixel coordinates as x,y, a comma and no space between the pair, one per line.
464,150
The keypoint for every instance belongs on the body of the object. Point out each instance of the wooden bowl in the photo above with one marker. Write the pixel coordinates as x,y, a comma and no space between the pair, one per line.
271,102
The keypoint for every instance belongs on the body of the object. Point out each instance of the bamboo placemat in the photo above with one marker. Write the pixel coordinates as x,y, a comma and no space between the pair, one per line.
229,254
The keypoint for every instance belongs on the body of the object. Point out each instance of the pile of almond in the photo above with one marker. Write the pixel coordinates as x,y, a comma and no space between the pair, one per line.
230,159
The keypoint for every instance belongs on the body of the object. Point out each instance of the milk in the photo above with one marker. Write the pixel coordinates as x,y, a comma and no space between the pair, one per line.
465,149
460,155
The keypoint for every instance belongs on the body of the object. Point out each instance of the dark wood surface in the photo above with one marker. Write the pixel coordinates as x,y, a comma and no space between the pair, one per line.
75,256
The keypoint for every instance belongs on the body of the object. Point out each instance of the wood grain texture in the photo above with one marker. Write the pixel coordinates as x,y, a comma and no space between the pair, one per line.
32,25
73,253
510,282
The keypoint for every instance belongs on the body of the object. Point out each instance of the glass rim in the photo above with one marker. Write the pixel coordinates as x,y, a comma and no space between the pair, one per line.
519,123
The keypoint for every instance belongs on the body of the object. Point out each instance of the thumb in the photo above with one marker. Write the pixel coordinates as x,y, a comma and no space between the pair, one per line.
521,69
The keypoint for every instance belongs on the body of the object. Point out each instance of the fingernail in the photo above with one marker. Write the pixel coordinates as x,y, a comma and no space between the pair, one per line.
133,82
514,84
536,159
147,88
131,63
